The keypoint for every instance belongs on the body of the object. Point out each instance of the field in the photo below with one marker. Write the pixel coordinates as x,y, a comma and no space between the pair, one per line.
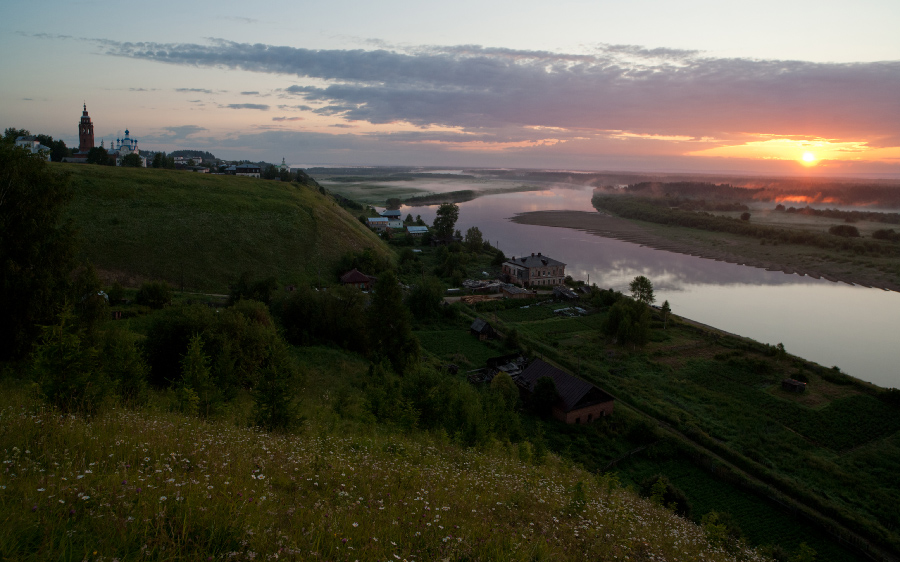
202,232
829,448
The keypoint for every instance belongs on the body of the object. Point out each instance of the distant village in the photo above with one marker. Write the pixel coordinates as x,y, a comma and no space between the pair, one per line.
124,151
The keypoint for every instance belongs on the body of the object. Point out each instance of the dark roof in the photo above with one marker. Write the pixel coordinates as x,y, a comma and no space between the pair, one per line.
481,326
534,260
574,393
391,214
565,292
355,276
513,290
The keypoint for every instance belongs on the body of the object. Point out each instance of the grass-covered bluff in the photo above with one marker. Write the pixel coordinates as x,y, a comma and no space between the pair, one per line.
134,485
202,231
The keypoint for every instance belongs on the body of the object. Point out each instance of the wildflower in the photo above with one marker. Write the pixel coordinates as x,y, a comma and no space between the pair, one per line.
162,498
40,489
355,524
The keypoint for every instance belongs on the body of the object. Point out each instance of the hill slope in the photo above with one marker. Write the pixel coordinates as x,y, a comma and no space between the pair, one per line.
204,231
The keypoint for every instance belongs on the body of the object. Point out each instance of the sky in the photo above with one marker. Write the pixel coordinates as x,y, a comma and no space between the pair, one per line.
788,87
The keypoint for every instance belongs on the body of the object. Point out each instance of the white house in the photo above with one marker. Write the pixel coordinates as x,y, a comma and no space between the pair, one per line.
34,146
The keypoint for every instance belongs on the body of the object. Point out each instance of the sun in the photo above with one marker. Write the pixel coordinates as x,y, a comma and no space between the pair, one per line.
809,157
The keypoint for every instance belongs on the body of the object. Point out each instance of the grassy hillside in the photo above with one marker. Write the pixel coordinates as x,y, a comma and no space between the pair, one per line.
153,486
140,224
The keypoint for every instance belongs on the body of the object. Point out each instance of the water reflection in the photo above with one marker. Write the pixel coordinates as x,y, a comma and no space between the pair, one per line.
829,323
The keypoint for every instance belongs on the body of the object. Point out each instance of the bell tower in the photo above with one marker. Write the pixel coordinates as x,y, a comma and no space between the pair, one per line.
85,132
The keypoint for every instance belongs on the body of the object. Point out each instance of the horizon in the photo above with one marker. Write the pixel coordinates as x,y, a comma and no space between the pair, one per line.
806,90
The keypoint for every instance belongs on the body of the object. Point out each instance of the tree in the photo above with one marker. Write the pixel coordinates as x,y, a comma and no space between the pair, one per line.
159,160
390,325
628,321
37,248
745,216
425,298
133,161
642,290
11,134
408,219
666,311
392,204
98,155
445,219
155,294
844,230
275,403
67,370
543,397
198,392
474,240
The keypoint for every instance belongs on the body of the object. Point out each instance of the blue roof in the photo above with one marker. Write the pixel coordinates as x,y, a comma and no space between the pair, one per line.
413,229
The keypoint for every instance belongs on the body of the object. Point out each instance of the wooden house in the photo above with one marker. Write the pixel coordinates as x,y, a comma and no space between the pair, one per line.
483,330
579,401
358,279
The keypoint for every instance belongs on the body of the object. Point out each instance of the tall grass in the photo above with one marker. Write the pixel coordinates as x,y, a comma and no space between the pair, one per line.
130,485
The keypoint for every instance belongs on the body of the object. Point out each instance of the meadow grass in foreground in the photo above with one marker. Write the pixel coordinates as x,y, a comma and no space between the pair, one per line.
130,485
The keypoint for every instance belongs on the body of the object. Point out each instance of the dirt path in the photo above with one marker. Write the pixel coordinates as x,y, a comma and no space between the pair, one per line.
601,224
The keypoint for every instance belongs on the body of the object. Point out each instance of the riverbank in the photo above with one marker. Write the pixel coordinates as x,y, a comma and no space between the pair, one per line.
867,271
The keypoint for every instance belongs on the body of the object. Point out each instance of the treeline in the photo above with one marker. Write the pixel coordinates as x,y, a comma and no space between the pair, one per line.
848,216
658,211
694,190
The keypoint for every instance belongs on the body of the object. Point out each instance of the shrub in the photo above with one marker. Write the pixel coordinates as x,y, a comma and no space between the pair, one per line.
844,230
155,294
67,370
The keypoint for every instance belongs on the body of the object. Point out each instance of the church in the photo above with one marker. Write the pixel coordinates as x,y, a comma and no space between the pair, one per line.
118,149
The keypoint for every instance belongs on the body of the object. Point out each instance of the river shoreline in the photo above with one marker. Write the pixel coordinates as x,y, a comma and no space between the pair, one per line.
601,224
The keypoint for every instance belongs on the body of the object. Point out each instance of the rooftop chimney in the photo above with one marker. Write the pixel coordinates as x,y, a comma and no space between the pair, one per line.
532,254
539,253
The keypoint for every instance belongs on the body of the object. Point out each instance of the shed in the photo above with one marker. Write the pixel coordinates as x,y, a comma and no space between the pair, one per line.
579,401
565,293
513,292
482,329
792,385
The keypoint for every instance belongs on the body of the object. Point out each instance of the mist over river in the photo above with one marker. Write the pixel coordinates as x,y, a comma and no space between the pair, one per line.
833,324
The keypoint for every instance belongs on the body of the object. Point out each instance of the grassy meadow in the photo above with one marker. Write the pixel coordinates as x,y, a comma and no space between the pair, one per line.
202,231
151,485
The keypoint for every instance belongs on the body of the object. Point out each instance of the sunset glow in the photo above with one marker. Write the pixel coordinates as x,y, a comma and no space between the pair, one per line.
809,157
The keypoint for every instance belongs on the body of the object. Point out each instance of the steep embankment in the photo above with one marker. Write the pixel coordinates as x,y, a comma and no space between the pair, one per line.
204,231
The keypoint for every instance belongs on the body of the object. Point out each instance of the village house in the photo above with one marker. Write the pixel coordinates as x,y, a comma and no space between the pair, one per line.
247,170
416,230
34,146
579,401
482,329
392,214
358,279
534,271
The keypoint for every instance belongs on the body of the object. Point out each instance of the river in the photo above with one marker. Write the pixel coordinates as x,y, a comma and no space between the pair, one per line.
833,324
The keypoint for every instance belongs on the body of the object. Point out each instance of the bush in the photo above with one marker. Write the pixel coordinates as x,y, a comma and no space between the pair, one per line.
68,371
661,491
844,230
155,294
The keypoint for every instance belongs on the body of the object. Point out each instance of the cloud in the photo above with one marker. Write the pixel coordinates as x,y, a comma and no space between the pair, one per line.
287,119
300,107
344,126
200,90
647,93
183,131
249,93
259,106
